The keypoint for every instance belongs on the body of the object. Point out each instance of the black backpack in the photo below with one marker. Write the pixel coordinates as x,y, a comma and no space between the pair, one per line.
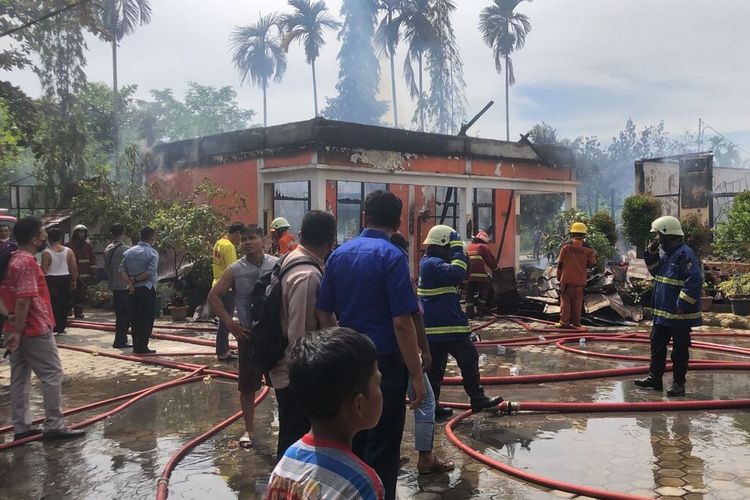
266,338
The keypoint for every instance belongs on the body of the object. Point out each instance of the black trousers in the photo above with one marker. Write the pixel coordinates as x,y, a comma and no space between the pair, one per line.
59,294
79,297
465,354
293,423
123,316
143,302
380,447
660,337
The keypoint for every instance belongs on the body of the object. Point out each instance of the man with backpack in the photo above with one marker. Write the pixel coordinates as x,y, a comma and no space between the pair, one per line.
241,276
300,276
119,287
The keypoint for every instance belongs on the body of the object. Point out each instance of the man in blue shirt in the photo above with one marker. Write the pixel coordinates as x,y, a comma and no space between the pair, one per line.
367,286
139,269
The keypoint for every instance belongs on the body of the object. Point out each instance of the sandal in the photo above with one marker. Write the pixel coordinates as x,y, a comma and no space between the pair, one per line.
438,466
247,442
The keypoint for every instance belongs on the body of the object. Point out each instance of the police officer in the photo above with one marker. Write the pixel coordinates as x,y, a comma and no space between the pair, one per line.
678,279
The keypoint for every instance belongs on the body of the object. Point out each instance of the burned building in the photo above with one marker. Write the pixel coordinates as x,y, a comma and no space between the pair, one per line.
286,170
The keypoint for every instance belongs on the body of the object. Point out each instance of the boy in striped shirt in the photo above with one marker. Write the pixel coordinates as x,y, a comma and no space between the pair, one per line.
321,465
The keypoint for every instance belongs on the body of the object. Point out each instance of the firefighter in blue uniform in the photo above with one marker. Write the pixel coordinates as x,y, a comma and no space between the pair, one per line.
441,271
678,279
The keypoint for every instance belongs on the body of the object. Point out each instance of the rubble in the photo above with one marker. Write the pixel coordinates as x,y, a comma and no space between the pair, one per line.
613,295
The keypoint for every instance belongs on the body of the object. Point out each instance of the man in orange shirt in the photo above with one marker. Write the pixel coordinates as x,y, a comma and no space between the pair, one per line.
283,240
575,258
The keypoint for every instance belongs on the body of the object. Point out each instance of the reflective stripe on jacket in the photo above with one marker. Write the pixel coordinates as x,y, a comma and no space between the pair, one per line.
678,279
481,262
444,319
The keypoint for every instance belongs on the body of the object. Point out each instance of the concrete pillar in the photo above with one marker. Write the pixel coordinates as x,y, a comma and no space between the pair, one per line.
570,200
466,207
517,247
318,191
260,203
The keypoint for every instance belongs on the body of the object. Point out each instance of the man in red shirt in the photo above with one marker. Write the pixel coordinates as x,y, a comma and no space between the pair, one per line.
28,334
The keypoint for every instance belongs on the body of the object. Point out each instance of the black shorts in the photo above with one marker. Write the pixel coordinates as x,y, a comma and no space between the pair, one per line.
250,377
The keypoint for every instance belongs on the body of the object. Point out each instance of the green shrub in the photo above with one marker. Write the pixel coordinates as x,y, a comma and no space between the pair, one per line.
605,224
736,286
558,233
697,235
638,212
732,238
99,296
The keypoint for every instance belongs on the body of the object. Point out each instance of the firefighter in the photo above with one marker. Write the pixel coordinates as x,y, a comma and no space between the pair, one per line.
678,279
576,257
86,261
283,240
481,265
441,271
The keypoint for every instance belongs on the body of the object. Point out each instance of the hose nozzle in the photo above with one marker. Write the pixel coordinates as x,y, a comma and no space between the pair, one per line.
510,407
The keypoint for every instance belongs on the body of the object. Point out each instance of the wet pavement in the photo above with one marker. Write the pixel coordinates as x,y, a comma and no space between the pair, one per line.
658,455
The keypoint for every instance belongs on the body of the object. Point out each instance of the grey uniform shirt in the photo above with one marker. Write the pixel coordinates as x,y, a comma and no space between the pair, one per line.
246,274
112,259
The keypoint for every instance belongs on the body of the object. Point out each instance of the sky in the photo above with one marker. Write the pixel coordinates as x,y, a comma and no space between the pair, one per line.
587,66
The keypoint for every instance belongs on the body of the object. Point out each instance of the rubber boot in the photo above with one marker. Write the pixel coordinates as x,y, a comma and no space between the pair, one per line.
486,403
470,313
676,390
441,412
650,383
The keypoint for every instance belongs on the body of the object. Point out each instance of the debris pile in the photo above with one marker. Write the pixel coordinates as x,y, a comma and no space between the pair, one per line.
614,295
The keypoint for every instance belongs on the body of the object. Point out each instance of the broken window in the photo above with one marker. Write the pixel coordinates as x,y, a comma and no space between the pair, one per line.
291,200
350,200
446,206
484,211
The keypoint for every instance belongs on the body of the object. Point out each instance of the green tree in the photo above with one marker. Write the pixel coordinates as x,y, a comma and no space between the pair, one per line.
504,31
638,212
603,222
307,24
697,234
446,101
359,70
732,237
120,18
558,230
204,110
257,53
387,38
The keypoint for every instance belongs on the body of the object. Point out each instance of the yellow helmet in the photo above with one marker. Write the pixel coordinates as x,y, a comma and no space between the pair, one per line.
439,235
579,228
667,225
279,223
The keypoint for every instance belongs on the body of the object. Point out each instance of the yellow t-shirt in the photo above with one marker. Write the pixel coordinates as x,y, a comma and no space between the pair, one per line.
224,255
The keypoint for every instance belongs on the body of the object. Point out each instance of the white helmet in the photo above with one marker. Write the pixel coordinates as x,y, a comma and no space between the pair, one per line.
279,223
439,235
667,225
80,227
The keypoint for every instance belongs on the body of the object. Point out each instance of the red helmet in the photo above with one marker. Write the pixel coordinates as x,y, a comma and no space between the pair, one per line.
482,236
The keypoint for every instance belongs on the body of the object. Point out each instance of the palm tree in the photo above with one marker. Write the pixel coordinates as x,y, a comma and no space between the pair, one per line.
257,52
387,38
306,25
415,23
120,18
504,31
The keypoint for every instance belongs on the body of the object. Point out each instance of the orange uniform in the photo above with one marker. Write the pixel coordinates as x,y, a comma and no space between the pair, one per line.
481,265
285,244
575,259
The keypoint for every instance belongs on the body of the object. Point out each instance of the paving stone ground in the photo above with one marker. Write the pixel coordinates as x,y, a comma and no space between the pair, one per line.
656,455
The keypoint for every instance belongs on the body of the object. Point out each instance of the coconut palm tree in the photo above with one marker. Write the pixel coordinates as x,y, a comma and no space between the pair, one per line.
257,53
387,38
415,23
120,18
307,24
504,31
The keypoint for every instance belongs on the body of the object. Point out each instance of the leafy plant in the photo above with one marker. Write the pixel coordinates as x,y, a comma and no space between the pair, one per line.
638,212
736,286
605,224
697,235
99,295
732,237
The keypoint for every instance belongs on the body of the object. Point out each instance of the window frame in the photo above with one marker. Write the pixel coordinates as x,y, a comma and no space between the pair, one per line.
275,198
453,220
475,212
360,202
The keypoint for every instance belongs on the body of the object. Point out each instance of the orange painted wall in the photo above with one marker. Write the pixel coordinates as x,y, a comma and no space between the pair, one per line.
331,197
239,180
508,256
519,170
